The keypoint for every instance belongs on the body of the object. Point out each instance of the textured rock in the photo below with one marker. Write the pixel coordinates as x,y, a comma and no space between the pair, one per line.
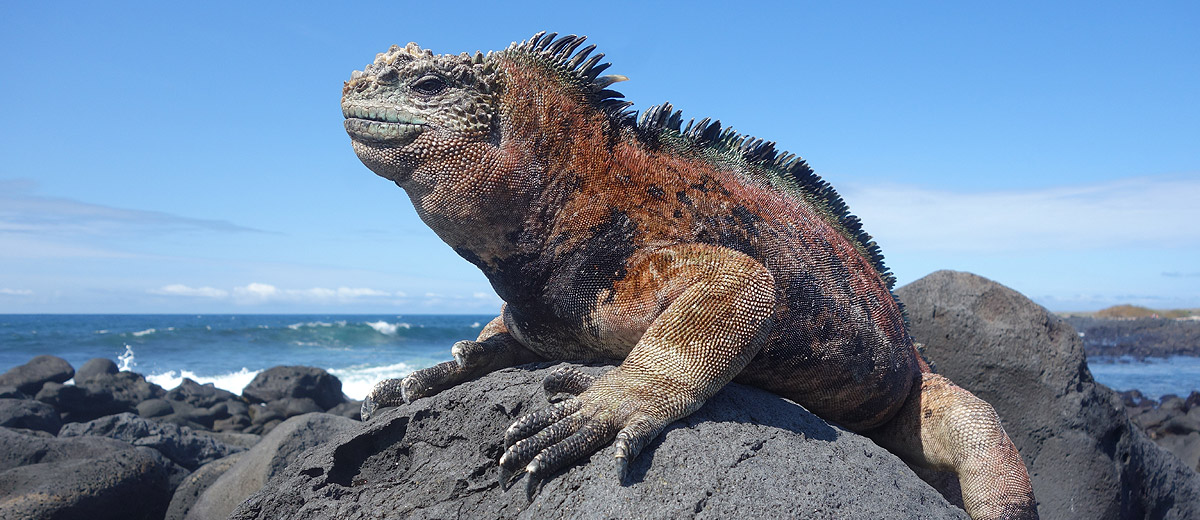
747,453
90,478
190,489
95,367
180,444
29,414
1085,457
77,403
264,461
30,377
295,381
200,395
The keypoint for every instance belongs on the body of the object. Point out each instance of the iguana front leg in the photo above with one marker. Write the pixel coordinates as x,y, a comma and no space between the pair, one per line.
494,349
718,304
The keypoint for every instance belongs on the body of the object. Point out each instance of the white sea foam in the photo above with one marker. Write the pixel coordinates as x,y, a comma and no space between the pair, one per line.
358,380
389,329
141,333
234,381
125,361
298,326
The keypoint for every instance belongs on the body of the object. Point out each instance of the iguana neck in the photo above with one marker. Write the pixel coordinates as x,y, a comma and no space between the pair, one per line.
493,202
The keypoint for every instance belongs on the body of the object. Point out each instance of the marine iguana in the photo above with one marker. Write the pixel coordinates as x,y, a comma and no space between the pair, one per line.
695,254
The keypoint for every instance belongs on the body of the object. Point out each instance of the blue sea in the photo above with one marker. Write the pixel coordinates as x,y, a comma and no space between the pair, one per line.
228,350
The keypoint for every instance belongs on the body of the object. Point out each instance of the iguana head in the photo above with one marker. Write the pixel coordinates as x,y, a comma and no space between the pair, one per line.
411,105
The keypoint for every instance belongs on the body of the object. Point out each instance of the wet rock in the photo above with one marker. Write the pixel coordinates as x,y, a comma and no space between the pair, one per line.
29,378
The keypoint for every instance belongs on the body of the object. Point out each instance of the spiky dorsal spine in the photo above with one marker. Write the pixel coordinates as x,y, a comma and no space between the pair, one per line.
782,169
785,170
560,53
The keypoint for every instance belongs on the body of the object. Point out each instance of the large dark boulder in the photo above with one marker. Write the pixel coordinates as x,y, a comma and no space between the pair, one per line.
200,395
100,395
29,414
86,478
264,461
1085,457
30,377
745,454
282,382
77,403
179,443
190,489
127,388
95,367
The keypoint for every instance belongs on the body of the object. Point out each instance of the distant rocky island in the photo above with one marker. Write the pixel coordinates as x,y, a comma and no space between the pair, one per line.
1139,332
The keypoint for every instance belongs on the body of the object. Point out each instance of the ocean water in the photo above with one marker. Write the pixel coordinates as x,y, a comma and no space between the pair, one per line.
229,350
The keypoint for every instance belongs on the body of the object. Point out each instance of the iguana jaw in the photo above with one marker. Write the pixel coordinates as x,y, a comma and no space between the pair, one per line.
381,126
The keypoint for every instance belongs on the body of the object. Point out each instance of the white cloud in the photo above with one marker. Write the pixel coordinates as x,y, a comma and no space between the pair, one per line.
183,290
15,292
1138,212
23,212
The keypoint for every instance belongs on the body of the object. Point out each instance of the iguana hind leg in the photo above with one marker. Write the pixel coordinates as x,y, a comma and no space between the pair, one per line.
718,316
944,427
494,349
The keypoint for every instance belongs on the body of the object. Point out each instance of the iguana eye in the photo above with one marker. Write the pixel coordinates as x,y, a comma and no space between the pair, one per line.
429,85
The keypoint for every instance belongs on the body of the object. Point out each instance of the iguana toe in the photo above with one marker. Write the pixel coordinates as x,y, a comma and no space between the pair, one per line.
566,380
388,392
535,422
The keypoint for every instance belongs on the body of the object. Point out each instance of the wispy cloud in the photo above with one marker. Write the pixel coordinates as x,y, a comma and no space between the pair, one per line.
262,293
33,225
183,290
15,292
1138,212
1177,274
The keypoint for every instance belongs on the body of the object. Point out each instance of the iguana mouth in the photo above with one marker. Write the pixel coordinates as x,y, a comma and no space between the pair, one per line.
381,125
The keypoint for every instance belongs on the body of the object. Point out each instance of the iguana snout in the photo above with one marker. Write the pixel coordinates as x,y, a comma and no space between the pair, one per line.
410,104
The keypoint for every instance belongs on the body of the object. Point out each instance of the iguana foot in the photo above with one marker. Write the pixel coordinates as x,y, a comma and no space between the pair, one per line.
612,406
471,360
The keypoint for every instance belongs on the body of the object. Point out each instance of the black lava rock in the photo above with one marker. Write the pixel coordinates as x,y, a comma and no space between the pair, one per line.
1085,457
295,381
30,377
745,454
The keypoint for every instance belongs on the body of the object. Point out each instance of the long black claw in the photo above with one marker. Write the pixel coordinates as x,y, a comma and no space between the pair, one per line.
622,469
532,481
368,408
506,478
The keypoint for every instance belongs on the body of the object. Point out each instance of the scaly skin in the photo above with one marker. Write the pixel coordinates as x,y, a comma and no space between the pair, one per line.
696,255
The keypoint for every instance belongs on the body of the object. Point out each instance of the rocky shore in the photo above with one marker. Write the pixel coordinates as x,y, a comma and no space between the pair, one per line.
1138,337
113,445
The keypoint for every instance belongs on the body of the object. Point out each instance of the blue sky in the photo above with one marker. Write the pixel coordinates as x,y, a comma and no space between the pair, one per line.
191,158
